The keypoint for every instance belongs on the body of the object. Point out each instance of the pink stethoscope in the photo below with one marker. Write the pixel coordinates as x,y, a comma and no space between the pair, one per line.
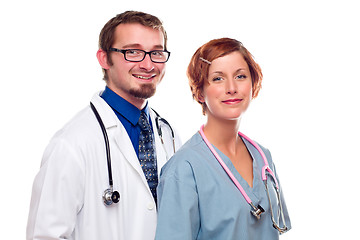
256,210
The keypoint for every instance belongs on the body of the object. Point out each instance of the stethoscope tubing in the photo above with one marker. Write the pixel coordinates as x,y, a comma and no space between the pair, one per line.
256,210
227,170
107,145
158,127
266,166
110,196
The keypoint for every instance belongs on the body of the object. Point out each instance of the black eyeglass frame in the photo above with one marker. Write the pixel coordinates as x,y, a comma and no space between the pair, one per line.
123,51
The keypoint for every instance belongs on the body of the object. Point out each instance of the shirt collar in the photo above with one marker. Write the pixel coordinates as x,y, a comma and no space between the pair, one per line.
123,107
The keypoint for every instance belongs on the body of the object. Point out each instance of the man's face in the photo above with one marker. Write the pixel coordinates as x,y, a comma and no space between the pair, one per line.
135,81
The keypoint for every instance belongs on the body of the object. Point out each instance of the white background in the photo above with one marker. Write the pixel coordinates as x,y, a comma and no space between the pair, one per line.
307,112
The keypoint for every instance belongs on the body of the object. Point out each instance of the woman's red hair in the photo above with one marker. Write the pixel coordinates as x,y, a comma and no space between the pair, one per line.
198,69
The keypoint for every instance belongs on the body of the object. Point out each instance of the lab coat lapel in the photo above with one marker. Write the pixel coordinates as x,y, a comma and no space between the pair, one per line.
117,132
125,146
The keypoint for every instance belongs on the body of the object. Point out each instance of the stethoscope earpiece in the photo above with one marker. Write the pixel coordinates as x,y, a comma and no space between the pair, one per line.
111,197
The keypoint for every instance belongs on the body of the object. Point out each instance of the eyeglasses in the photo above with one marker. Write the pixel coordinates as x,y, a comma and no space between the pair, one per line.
137,55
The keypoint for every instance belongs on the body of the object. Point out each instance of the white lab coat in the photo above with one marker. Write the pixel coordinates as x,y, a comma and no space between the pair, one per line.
67,192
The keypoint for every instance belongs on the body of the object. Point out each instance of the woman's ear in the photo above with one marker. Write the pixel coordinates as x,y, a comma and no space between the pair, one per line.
200,98
102,58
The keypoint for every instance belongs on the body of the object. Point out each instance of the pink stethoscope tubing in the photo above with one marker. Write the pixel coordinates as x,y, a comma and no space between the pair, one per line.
227,170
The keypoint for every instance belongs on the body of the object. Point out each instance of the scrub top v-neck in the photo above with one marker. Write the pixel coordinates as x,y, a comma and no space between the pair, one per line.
198,200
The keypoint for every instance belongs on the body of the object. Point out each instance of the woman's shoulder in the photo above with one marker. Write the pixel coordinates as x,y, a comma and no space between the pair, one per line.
190,146
186,156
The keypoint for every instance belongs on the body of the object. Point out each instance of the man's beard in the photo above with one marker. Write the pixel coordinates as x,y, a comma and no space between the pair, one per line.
146,91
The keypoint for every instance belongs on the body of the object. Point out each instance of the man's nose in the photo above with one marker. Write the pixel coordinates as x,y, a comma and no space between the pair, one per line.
147,64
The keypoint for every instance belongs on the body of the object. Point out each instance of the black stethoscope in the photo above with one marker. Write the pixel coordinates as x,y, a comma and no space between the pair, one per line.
110,196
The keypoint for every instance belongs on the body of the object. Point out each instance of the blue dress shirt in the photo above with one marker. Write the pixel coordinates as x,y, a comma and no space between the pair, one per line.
128,115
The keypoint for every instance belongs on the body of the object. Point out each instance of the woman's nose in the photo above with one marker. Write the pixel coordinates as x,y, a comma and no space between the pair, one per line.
231,87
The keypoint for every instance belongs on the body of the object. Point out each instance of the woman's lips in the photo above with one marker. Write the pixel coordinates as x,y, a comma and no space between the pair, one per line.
232,101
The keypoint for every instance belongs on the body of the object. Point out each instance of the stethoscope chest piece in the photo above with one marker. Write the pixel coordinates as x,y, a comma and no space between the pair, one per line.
111,197
257,211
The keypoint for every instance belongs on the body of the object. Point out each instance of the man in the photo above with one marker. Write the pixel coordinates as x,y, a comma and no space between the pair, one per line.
81,194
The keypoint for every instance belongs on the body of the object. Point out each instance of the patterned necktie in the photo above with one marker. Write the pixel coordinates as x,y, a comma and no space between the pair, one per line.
147,156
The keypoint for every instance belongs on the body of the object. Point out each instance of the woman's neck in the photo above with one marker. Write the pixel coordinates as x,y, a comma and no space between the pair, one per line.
223,134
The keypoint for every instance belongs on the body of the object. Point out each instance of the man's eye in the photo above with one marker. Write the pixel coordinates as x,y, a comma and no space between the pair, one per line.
133,52
157,53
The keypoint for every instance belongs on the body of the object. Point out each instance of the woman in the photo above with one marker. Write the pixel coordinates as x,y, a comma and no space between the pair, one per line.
213,186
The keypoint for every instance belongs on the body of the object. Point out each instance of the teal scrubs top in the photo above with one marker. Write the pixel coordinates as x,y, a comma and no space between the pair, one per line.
198,200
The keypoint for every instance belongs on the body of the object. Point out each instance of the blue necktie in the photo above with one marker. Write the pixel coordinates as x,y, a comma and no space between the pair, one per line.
147,156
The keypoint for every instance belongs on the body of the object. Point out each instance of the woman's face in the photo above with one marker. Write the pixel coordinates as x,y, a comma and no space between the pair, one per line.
228,92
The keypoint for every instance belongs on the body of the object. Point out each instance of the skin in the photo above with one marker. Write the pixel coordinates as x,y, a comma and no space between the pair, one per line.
134,81
227,95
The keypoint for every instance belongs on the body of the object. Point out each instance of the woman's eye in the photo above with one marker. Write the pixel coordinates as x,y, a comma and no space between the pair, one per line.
217,79
242,76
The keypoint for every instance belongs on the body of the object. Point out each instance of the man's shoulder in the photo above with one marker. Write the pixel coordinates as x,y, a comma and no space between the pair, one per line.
79,128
